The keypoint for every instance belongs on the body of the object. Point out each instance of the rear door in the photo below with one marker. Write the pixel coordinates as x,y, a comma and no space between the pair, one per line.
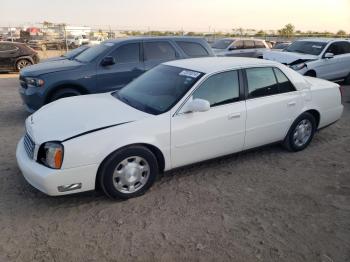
157,52
128,65
8,55
272,105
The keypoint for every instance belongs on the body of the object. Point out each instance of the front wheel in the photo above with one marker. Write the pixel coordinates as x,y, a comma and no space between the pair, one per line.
128,172
300,133
65,92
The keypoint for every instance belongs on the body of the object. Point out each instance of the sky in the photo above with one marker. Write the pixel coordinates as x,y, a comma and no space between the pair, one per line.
189,15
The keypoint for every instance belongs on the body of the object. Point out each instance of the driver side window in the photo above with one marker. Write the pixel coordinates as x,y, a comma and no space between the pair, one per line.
219,89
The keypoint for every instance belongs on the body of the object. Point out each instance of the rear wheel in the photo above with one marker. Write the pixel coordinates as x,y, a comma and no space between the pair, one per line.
22,63
300,133
65,92
128,172
43,47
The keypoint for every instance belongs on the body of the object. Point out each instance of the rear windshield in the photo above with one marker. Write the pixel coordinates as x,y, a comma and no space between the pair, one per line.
222,44
306,47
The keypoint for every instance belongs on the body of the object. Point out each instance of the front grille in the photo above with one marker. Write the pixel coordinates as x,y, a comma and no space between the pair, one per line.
29,145
22,81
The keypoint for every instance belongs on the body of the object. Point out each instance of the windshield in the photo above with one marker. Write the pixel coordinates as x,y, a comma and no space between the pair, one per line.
93,52
222,44
73,53
306,47
159,89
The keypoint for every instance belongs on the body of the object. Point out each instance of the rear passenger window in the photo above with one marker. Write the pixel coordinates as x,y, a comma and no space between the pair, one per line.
219,89
261,82
259,44
159,51
128,53
192,49
284,85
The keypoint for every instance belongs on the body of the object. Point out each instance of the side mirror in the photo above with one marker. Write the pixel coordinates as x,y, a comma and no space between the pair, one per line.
107,61
196,105
329,55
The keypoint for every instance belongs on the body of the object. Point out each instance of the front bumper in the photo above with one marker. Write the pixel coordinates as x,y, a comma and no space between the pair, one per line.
31,98
50,180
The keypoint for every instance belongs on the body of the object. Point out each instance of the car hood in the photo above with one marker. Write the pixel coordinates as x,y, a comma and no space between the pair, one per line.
75,116
288,57
51,59
50,67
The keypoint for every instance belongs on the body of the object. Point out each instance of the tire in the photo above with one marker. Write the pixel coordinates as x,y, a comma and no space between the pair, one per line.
347,80
22,63
310,73
305,124
43,48
128,172
65,92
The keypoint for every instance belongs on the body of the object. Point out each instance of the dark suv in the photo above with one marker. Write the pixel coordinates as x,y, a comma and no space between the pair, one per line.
104,67
15,56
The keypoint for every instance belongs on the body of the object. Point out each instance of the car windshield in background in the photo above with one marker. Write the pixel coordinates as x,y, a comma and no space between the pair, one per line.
73,53
93,52
159,89
222,44
306,47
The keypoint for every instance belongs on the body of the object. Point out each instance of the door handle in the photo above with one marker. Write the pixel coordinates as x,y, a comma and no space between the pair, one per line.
293,103
234,115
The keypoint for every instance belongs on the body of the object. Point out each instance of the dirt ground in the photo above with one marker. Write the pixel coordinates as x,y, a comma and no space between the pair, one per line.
262,205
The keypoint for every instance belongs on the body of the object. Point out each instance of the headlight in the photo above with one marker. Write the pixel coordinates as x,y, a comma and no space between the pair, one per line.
34,81
51,154
298,66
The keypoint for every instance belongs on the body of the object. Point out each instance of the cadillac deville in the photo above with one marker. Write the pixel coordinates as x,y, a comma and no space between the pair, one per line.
178,113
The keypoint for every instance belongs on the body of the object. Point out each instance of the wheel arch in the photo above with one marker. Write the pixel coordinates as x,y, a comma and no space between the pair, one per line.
30,59
74,86
154,149
311,72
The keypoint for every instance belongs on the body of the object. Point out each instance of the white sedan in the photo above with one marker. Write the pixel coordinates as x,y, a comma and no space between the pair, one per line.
178,113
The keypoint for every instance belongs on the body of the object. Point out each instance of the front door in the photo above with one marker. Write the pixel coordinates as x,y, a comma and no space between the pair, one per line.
128,66
198,136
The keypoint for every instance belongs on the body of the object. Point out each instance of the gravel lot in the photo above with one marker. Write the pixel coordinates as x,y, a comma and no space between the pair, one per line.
262,205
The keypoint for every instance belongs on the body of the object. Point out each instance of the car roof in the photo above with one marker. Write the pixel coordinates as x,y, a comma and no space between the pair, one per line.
215,64
178,38
236,38
323,40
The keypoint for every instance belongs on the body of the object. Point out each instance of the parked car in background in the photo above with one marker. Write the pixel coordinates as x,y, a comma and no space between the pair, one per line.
97,40
69,55
44,44
105,67
178,113
16,56
76,41
324,58
279,46
240,47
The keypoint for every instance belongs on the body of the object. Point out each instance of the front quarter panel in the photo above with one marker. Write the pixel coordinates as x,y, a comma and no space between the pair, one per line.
94,147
